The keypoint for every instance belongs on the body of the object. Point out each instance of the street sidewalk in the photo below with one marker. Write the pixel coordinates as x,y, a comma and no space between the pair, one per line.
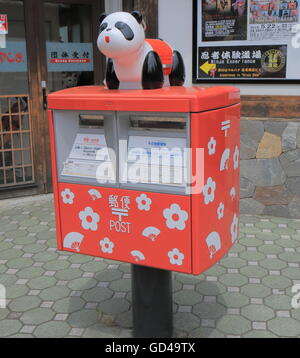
59,294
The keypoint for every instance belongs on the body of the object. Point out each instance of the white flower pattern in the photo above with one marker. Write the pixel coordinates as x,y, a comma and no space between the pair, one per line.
209,191
144,203
212,146
236,157
175,217
220,211
234,228
176,257
232,192
89,219
67,196
107,246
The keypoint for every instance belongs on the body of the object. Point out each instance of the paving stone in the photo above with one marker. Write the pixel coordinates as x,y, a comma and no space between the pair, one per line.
236,248
259,334
232,324
278,302
40,283
4,312
254,129
204,332
263,172
255,290
16,291
68,305
210,288
109,275
290,256
79,259
24,303
9,327
10,254
7,280
176,286
68,274
269,146
19,263
124,320
246,188
52,329
100,330
271,249
45,256
233,262
187,297
37,316
254,271
290,272
56,265
284,327
215,270
273,264
186,321
248,147
257,313
83,318
114,306
233,299
293,185
54,293
97,294
94,266
125,268
252,255
123,285
233,279
279,282
289,137
83,283
275,127
211,310
294,207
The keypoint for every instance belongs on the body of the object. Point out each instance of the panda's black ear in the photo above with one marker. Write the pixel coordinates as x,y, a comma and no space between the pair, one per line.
102,17
137,15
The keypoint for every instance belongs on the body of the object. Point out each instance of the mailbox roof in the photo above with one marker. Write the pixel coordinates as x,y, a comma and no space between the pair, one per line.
167,99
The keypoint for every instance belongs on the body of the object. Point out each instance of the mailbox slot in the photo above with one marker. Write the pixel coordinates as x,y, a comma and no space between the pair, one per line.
152,152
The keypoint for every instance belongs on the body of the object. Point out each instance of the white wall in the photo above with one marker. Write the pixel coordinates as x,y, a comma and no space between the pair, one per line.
175,26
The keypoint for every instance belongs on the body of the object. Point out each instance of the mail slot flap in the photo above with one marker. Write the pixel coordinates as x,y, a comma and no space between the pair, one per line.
147,123
91,121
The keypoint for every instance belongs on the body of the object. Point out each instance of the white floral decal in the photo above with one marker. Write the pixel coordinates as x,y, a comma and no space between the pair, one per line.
176,257
213,242
67,196
236,157
144,203
209,191
212,146
73,240
175,217
234,228
107,245
220,211
232,193
89,219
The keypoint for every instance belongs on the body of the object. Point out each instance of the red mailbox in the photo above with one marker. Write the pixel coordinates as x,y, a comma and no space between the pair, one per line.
121,212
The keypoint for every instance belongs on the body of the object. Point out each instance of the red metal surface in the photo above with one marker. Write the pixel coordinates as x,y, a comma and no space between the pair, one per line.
167,99
215,211
91,225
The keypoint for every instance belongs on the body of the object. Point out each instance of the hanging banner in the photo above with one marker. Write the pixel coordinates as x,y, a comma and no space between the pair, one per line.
3,24
246,40
69,57
13,57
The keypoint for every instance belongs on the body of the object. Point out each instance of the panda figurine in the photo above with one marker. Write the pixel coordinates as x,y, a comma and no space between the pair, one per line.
134,62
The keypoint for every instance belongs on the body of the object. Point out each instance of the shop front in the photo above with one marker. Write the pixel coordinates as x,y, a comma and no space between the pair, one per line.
45,46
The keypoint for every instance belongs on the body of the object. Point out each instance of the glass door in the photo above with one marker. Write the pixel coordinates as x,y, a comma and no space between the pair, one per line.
16,157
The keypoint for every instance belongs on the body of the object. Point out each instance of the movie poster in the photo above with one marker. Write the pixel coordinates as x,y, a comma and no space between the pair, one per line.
271,19
224,20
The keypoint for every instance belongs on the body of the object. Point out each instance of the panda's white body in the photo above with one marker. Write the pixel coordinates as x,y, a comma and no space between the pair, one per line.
122,40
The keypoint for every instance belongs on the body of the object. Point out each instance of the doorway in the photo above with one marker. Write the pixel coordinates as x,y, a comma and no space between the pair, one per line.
49,45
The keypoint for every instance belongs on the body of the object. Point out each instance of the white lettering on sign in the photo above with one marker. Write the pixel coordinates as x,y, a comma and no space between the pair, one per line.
119,207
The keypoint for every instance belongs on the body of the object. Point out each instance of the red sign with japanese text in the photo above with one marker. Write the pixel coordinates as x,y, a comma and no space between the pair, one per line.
3,24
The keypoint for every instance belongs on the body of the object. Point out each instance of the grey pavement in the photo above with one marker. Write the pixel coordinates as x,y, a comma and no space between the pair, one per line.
59,294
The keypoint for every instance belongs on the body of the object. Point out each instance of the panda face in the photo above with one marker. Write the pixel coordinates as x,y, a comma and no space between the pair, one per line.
120,34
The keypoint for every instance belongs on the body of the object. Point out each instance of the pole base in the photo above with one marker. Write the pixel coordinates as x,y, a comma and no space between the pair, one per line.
152,302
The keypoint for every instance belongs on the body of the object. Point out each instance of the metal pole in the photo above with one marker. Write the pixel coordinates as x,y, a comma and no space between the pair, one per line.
152,302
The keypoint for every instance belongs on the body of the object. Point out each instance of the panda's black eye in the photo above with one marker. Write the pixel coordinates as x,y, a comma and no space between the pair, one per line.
125,29
103,27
